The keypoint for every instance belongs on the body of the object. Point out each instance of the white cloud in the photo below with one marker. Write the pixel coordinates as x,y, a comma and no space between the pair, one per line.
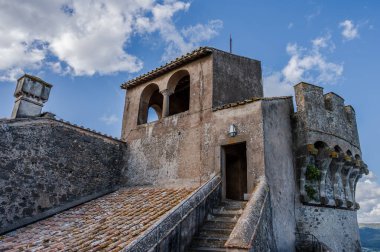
350,31
88,37
313,15
368,196
110,119
290,25
305,64
178,42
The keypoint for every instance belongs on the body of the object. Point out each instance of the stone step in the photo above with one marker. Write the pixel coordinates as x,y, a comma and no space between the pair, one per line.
211,231
222,218
219,224
210,242
205,249
232,205
226,215
223,210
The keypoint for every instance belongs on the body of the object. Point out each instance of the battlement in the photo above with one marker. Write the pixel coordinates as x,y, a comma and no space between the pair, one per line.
324,113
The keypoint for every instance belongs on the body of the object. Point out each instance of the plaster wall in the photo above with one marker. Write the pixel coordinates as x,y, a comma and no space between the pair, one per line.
200,72
235,78
279,169
186,148
47,165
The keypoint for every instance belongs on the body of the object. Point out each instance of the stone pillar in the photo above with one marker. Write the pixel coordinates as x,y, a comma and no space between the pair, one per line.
165,106
337,182
347,169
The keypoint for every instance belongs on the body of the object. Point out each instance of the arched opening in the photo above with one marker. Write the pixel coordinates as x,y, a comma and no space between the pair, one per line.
349,153
338,149
150,105
357,157
179,85
153,114
320,145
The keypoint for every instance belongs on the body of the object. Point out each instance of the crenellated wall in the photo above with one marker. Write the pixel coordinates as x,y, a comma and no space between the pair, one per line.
328,167
324,117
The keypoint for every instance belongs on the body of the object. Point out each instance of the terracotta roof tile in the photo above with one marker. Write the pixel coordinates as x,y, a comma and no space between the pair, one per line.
235,104
196,54
108,223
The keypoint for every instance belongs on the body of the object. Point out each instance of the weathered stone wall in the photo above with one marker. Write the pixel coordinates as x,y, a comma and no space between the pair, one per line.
235,78
279,168
265,239
337,228
186,148
327,143
47,165
254,229
324,117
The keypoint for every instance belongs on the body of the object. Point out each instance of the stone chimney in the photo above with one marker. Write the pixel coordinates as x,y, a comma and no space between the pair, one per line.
31,93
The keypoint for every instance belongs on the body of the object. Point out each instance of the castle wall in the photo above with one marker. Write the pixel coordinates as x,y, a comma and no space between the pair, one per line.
329,164
200,72
324,117
186,149
235,78
279,169
337,228
47,166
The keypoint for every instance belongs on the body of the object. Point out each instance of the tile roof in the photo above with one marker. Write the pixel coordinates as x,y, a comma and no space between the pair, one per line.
191,56
235,104
108,223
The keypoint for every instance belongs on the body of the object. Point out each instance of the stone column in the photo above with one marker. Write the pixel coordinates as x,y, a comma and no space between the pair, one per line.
324,165
347,169
337,182
165,106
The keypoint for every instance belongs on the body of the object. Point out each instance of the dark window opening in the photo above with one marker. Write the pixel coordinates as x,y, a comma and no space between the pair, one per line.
320,145
179,101
235,171
338,149
150,105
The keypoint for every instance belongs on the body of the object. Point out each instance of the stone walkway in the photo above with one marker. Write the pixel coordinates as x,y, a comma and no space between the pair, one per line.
108,223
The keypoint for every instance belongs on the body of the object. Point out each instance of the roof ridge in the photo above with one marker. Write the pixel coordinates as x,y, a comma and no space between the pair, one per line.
179,61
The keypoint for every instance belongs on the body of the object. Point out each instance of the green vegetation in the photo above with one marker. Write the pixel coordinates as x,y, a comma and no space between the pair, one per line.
310,191
312,173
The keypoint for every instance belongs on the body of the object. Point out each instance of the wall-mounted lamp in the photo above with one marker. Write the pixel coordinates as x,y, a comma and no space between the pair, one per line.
232,130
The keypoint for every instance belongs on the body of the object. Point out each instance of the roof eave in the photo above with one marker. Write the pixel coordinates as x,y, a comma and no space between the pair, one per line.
178,62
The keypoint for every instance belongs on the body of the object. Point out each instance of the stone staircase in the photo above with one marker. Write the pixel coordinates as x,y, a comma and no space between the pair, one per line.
217,227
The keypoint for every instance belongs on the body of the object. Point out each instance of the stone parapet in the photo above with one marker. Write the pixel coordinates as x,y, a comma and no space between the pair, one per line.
174,231
253,231
47,166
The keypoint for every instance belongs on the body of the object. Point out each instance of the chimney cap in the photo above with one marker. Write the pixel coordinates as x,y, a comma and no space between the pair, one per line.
35,78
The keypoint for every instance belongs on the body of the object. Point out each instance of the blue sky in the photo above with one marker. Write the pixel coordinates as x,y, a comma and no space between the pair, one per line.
87,49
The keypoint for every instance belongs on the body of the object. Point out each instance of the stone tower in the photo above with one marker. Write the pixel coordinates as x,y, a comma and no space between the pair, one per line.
329,165
31,94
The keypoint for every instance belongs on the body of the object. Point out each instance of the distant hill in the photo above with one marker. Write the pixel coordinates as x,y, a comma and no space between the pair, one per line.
370,236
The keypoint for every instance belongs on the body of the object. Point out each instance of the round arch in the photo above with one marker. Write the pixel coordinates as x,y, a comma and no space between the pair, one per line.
179,88
175,78
150,98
